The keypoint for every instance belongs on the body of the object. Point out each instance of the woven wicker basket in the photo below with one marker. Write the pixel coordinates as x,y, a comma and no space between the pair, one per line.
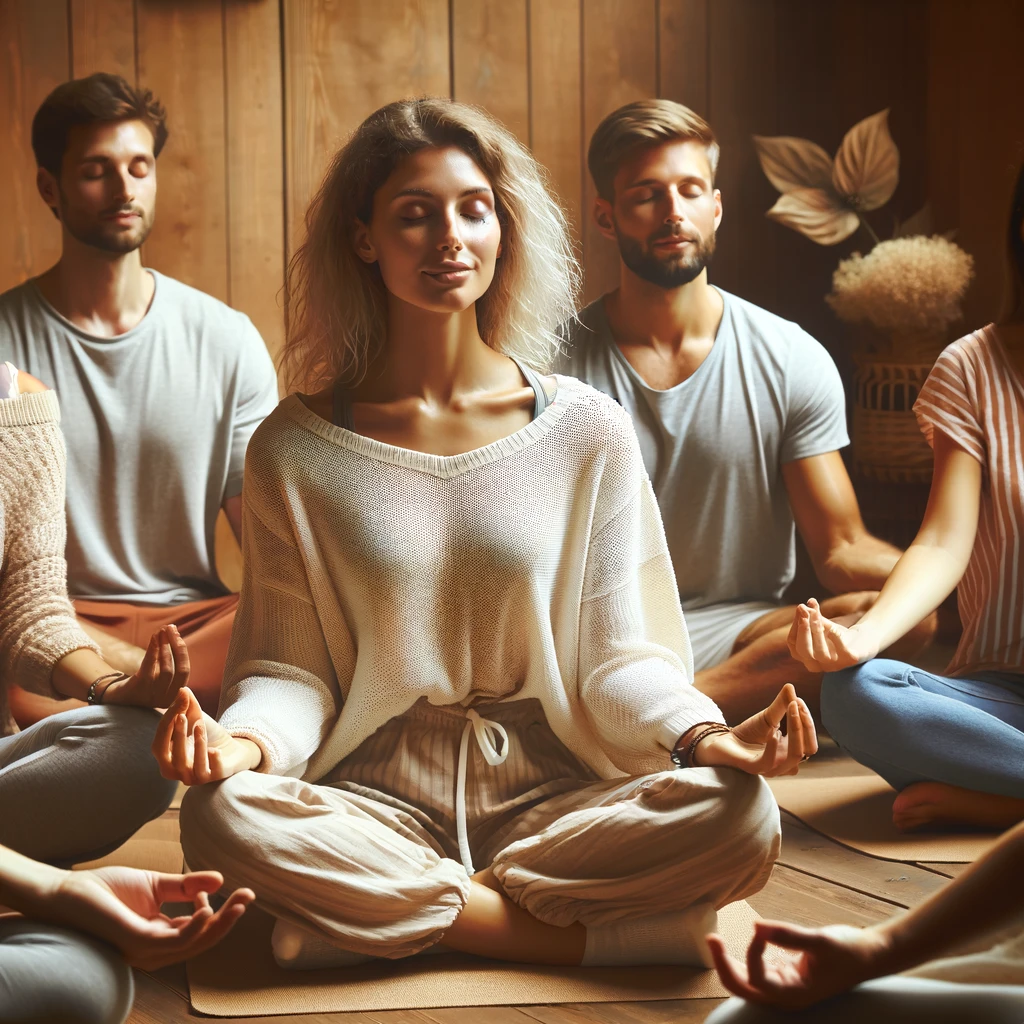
887,443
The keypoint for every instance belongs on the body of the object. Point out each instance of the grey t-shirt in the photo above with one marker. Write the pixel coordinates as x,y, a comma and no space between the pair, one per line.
714,445
156,423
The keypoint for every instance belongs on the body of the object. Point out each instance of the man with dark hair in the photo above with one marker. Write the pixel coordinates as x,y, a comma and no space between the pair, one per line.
161,387
740,414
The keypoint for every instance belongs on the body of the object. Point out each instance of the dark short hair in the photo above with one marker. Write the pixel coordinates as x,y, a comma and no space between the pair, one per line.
98,98
637,126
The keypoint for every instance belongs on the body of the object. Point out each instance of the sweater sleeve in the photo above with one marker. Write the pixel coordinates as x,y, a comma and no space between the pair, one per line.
38,626
635,664
280,688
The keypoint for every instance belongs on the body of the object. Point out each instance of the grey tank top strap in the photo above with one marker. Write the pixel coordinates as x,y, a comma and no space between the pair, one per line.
342,412
540,396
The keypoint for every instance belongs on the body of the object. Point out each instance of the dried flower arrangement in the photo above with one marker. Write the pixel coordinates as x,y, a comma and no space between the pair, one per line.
911,285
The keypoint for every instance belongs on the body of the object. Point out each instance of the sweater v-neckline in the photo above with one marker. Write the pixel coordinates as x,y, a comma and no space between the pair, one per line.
443,466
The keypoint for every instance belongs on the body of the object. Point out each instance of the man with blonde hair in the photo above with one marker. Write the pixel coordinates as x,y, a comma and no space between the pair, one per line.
740,413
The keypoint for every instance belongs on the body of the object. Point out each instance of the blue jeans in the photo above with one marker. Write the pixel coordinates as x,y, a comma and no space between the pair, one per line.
913,726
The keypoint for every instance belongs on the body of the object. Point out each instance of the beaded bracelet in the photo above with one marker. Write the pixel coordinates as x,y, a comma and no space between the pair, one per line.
684,758
92,697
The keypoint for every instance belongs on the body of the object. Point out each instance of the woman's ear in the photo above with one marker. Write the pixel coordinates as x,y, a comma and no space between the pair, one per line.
497,255
365,249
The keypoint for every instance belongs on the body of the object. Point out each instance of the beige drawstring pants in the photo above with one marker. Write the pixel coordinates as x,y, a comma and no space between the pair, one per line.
370,854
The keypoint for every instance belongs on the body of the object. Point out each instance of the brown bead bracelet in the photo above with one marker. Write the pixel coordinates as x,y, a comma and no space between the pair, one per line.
684,758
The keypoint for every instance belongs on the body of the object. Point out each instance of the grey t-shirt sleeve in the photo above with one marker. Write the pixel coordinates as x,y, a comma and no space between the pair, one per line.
256,398
816,406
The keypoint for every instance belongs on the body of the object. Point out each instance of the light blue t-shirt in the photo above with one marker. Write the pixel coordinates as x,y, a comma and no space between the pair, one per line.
714,445
156,423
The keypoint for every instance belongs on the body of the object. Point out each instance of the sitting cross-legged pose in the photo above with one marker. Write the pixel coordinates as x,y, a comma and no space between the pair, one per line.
78,784
459,667
953,745
163,386
67,958
830,961
740,414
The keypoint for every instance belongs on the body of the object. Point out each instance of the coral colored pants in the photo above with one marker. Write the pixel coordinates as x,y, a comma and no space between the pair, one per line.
204,625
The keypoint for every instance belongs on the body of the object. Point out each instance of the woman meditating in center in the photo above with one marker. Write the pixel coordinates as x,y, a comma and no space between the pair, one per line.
459,666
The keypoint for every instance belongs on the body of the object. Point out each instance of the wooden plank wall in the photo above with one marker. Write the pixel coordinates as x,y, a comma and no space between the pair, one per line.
261,92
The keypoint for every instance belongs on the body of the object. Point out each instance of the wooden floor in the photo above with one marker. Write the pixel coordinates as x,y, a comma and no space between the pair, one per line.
816,882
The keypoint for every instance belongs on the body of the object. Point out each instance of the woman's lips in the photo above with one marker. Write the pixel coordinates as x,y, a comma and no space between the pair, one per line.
449,275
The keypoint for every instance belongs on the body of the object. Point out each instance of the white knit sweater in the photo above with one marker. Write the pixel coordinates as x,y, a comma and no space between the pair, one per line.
533,567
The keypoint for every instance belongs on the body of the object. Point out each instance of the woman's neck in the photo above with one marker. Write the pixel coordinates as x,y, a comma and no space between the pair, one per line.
435,357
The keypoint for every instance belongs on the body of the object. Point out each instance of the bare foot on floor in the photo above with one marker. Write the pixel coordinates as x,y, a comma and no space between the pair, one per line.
935,804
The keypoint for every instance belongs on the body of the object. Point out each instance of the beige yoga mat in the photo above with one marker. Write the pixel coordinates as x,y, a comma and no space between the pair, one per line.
857,812
239,978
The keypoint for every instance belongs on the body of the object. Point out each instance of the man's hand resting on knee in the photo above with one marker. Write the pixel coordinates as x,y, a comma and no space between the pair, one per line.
757,745
191,747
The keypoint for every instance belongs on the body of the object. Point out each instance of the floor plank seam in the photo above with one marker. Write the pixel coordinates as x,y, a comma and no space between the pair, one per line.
845,885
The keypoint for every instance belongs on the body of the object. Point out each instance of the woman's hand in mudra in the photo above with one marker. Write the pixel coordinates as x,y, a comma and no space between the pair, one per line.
193,748
821,645
162,674
757,745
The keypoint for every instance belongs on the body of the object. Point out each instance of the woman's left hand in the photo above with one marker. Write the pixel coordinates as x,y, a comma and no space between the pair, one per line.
164,671
757,745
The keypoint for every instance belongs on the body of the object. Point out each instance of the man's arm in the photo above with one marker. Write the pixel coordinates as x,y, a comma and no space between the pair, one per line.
845,556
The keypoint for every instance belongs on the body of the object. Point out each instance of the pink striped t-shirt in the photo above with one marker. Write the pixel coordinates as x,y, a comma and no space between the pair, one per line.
975,395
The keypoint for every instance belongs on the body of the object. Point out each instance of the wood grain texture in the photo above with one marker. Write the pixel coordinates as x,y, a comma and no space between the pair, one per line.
255,164
988,122
34,60
181,58
491,61
619,65
683,53
741,103
342,62
807,851
794,896
556,101
103,37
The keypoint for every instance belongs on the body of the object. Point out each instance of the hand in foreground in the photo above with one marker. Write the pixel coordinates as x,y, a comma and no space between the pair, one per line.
122,907
163,672
821,645
831,960
191,747
757,745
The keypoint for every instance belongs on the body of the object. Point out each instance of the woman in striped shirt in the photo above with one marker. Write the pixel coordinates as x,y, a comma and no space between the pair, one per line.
953,745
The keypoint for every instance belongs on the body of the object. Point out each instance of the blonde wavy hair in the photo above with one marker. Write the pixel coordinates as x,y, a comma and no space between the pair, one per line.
337,304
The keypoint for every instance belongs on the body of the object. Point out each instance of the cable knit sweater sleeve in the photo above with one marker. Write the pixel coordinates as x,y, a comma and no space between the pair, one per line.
37,621
280,688
635,664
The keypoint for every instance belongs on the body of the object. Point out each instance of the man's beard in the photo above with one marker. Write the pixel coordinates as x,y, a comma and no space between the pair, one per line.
672,272
108,237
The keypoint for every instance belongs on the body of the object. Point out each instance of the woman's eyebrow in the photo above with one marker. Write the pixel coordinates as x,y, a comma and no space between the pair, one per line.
477,190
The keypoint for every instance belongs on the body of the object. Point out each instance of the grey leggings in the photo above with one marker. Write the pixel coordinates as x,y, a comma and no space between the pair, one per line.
893,1001
72,787
49,975
76,785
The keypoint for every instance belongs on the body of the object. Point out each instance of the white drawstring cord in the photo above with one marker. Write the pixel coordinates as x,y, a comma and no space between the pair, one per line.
486,734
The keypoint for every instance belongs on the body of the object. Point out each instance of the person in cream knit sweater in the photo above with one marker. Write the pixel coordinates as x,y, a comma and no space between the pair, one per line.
459,669
78,784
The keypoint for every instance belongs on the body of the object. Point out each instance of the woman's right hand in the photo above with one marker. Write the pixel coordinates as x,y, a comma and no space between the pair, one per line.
828,961
191,747
821,645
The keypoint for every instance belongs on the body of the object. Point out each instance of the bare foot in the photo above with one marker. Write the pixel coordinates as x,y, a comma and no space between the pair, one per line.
930,804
